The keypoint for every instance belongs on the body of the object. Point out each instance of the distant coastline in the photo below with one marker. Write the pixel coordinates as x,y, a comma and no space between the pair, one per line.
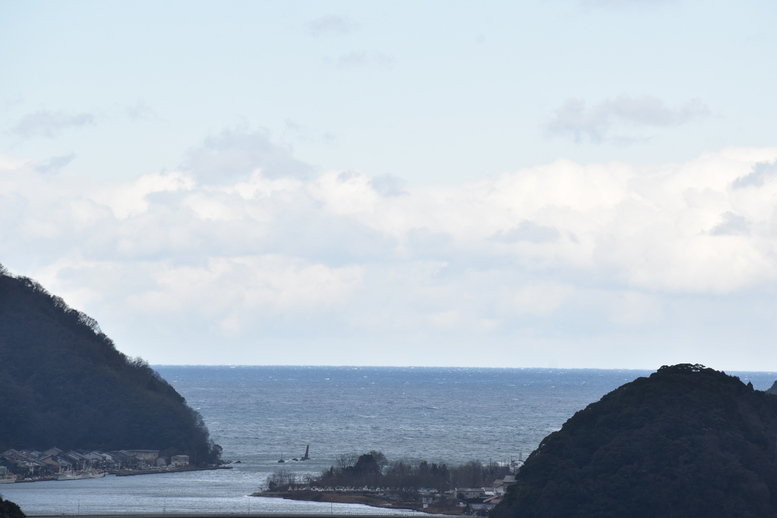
55,464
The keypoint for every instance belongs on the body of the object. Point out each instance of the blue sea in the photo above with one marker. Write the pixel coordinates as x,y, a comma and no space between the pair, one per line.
260,415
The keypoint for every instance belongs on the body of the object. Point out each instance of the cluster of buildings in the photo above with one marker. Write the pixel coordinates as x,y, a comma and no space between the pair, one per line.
56,464
477,501
480,500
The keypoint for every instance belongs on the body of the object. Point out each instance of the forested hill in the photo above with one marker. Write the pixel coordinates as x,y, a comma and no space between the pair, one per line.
686,442
64,384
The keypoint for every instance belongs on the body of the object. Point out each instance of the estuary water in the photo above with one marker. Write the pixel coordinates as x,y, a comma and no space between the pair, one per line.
260,415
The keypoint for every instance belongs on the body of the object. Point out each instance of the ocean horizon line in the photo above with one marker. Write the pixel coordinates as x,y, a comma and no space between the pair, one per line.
443,367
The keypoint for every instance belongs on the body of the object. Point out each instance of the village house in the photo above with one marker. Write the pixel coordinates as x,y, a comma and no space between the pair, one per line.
146,458
179,460
468,493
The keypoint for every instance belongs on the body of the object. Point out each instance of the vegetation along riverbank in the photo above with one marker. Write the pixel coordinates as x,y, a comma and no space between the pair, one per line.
370,479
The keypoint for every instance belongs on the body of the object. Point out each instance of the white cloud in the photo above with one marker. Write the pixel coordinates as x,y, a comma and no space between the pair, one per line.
47,123
132,198
761,173
236,288
236,153
331,25
576,121
345,192
140,110
539,299
635,309
55,163
731,224
9,163
528,231
387,185
563,252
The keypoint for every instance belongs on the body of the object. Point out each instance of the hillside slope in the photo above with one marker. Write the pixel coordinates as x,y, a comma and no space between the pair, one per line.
687,441
63,383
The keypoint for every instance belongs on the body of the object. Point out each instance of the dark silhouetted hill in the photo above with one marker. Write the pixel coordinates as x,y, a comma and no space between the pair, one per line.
64,384
685,442
10,510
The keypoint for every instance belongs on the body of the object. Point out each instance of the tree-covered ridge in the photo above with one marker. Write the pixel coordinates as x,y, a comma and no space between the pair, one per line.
687,441
63,383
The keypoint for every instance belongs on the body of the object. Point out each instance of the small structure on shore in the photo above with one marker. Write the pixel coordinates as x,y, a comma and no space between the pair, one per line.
179,460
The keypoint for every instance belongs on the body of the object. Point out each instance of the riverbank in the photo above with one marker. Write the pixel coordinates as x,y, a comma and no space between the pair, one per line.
381,500
123,473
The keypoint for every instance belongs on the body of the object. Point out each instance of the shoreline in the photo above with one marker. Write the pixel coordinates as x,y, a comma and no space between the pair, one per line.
128,473
152,471
364,498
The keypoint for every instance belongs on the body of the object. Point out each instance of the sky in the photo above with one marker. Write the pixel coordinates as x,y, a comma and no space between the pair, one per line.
555,183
